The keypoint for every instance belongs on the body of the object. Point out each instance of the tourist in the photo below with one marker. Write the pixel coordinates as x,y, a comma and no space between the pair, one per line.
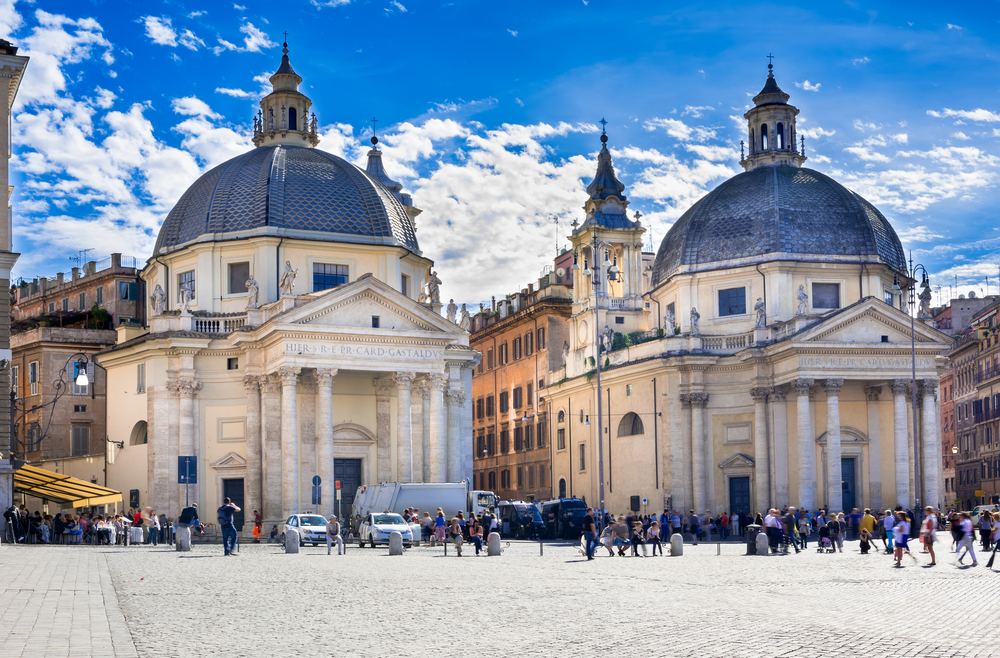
789,527
273,537
257,523
707,525
985,528
154,527
653,537
333,535
805,529
226,514
724,525
928,532
865,537
773,529
995,537
439,525
476,534
901,537
966,542
888,526
833,527
694,524
734,524
637,540
675,522
955,519
868,522
456,532
189,519
589,533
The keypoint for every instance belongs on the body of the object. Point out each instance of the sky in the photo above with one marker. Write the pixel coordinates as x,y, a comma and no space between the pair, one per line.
488,113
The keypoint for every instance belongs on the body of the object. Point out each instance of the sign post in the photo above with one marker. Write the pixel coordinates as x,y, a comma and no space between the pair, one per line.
187,474
340,509
317,492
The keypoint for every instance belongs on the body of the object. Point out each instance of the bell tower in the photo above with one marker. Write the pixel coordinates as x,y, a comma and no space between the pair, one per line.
284,113
771,129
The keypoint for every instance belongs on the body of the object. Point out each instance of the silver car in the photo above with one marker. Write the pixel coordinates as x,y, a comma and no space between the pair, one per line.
376,528
311,528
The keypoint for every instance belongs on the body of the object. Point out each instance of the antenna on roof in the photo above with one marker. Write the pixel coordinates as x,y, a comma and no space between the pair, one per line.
81,257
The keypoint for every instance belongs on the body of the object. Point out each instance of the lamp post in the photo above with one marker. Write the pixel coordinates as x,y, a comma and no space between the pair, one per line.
911,287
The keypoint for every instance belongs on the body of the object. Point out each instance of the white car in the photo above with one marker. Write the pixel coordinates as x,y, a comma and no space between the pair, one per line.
311,528
376,528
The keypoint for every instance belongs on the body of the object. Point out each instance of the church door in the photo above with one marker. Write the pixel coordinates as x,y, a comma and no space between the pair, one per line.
848,483
348,471
233,490
739,496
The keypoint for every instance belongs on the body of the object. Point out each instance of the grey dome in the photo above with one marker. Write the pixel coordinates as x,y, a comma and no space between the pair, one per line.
785,212
284,190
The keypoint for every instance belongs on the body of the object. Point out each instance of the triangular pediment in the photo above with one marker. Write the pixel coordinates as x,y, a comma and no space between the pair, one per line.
737,460
229,460
867,322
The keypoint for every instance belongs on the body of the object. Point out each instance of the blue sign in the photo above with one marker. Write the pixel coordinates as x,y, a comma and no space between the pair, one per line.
187,470
316,481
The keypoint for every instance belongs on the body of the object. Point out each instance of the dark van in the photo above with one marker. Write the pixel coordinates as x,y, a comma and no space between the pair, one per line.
563,517
520,520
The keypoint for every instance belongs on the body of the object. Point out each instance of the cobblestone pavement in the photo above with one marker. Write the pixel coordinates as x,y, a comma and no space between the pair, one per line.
367,603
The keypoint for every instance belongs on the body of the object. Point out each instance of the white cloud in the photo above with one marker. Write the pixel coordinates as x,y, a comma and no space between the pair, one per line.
398,5
190,41
954,27
900,138
104,98
253,42
461,105
696,111
239,7
159,30
960,136
10,20
319,4
193,106
808,86
919,233
860,61
865,126
972,115
867,154
235,93
519,102
679,130
196,14
813,133
512,32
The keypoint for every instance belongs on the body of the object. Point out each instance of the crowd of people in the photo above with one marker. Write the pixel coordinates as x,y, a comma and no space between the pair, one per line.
133,527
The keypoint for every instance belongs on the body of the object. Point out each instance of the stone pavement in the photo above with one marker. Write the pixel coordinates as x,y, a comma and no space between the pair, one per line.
367,603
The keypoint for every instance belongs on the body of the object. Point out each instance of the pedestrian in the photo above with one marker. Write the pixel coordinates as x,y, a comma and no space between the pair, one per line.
476,534
637,539
439,525
789,525
226,514
675,522
257,523
333,535
773,525
694,524
734,521
805,529
589,533
189,519
928,532
985,528
653,537
154,527
967,539
833,526
456,532
888,526
868,521
996,537
724,525
866,543
707,525
901,537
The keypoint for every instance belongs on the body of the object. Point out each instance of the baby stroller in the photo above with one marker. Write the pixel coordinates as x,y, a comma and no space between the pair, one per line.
825,545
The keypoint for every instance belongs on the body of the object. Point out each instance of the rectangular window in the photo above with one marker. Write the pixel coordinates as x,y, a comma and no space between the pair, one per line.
531,477
518,397
85,389
561,439
489,405
528,439
888,297
503,354
52,307
503,402
541,434
233,363
628,390
375,322
504,442
530,395
505,479
33,376
81,440
516,345
489,359
619,319
33,438
529,343
541,477
15,380
520,477
583,457
826,295
83,301
327,275
493,480
404,285
129,292
491,443
185,281
239,274
65,304
541,339
732,301
100,295
479,408
518,439
79,408
140,378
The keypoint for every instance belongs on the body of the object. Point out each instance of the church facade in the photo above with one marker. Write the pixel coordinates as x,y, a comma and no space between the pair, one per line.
295,332
769,362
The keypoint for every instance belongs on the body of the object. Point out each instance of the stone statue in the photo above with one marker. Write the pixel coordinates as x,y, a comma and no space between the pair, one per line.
482,307
466,322
287,282
187,296
695,316
803,298
760,314
668,322
607,338
434,288
452,310
159,300
565,351
270,116
253,291
924,311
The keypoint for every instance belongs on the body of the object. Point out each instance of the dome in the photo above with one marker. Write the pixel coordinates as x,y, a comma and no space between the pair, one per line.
292,191
773,212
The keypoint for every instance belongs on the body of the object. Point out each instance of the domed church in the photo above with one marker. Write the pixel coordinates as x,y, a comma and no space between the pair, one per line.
767,362
295,332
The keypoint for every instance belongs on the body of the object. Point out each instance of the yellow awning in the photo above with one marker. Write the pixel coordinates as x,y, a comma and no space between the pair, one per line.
62,488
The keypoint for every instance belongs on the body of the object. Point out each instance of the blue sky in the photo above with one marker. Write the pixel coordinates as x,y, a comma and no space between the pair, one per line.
488,114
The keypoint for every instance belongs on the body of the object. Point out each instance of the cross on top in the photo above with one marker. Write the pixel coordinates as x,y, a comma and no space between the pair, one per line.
770,61
604,125
374,121
286,35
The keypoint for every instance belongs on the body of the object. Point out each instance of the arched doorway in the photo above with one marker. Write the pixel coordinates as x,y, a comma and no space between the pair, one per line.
562,487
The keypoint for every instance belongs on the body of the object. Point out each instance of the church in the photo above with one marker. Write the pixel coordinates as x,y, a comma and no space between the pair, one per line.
295,333
765,361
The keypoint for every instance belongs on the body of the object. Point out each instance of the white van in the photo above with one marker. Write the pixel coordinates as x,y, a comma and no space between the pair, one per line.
979,509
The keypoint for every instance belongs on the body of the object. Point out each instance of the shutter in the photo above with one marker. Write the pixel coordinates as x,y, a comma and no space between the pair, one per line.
133,292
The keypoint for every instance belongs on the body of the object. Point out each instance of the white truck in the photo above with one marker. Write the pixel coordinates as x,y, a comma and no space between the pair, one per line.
451,497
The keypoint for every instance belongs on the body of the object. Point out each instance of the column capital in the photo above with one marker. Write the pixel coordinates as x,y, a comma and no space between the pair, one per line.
872,393
455,396
928,387
324,376
685,400
760,393
252,383
778,393
383,386
802,386
832,386
899,386
188,388
288,375
404,380
436,381
174,388
271,383
699,400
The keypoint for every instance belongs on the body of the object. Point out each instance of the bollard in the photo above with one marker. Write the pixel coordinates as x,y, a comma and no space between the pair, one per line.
396,543
762,544
676,544
445,542
493,544
291,540
541,548
718,549
183,539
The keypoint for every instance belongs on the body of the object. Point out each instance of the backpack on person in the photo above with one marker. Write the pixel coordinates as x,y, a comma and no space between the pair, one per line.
225,514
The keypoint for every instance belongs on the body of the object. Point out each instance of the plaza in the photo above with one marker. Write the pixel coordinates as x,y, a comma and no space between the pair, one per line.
141,601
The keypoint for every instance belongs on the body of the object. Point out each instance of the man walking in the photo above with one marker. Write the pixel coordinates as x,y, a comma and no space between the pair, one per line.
333,535
694,523
226,522
257,523
789,526
967,539
590,533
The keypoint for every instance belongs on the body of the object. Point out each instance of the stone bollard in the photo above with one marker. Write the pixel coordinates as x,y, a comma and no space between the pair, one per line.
493,544
396,543
182,538
676,544
762,545
291,540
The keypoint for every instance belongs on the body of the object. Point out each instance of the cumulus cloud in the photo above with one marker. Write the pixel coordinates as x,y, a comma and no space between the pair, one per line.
954,27
696,111
320,4
865,126
866,154
513,33
190,41
159,30
860,61
254,41
398,6
813,133
961,136
192,106
679,130
808,86
235,93
980,115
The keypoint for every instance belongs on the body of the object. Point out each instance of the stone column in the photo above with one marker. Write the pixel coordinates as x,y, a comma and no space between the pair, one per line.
874,448
455,399
383,429
289,440
699,466
900,447
307,437
404,435
807,469
931,444
324,438
187,443
762,472
438,445
425,428
254,480
271,459
834,476
173,447
779,447
684,454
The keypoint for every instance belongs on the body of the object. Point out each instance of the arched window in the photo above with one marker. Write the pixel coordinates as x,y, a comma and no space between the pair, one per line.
138,437
562,488
291,119
753,143
763,137
631,425
780,135
562,416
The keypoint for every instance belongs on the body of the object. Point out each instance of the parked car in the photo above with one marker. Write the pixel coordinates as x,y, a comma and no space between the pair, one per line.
311,528
563,517
520,520
376,528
